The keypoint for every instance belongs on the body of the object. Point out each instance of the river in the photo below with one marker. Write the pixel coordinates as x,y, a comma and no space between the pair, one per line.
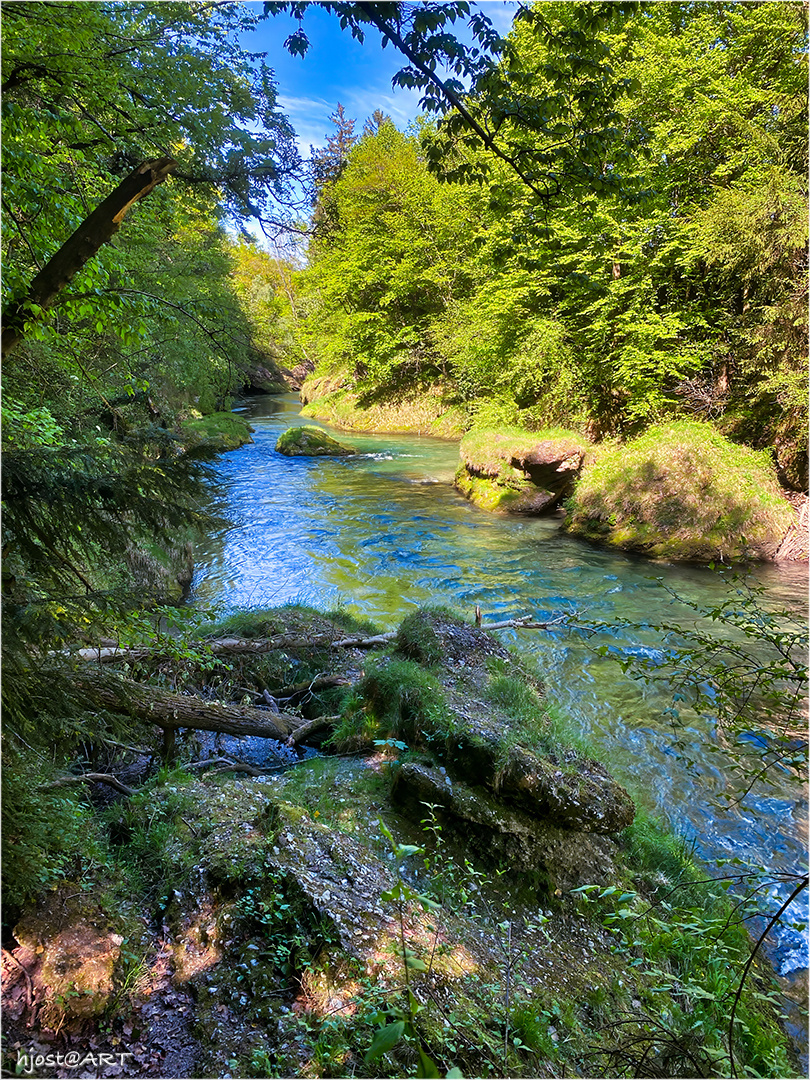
384,531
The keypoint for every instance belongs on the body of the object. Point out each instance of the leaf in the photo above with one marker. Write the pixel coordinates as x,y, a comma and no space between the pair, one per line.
385,1039
455,1074
427,1066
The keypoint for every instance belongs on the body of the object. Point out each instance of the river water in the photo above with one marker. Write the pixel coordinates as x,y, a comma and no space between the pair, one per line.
384,531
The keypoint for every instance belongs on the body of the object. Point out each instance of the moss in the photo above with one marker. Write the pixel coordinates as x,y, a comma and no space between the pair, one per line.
218,431
417,640
310,441
508,469
682,491
492,451
504,494
396,699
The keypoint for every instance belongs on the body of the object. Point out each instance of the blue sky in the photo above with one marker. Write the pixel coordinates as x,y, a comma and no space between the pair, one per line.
337,68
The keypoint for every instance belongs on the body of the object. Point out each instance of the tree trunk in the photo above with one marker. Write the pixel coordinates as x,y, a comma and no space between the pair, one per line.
238,647
102,224
172,711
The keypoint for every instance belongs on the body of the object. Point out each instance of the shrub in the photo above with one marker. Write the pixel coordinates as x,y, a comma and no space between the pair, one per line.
684,491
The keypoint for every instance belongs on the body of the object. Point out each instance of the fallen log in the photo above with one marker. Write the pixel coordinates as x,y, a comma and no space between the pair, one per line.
224,764
235,647
173,711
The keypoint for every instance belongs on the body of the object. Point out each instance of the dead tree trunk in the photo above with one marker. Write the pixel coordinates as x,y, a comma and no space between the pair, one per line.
173,711
111,654
101,225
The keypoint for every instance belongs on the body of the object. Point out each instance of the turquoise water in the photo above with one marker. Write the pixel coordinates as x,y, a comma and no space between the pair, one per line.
384,532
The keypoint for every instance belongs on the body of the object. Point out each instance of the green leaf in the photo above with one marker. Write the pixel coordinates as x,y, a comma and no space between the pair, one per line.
385,1039
427,1066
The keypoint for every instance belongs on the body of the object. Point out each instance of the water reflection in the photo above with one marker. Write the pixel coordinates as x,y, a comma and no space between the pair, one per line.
385,531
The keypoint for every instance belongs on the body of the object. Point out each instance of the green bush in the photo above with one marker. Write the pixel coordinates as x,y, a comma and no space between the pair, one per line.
682,491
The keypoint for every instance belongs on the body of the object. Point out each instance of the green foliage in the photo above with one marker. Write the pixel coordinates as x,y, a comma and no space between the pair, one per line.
682,490
673,285
288,943
395,698
688,936
47,835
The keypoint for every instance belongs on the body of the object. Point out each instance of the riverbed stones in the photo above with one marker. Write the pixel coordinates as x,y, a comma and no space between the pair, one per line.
310,441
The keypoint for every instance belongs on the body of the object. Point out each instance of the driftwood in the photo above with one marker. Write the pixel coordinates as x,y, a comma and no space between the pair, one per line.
316,727
525,622
258,646
90,778
173,711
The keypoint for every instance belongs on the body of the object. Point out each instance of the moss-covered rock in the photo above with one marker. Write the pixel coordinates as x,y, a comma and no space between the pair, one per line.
310,442
682,491
518,471
218,432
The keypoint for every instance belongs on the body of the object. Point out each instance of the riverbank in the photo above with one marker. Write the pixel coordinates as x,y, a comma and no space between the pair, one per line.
680,491
422,413
262,919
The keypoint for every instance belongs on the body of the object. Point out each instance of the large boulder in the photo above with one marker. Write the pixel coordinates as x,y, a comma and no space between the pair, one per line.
580,795
310,442
518,471
216,432
504,834
266,380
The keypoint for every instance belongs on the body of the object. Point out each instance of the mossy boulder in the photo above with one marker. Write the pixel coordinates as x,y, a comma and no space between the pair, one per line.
682,491
310,442
517,471
217,432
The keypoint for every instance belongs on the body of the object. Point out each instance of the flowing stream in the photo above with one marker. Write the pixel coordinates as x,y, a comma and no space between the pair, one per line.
384,532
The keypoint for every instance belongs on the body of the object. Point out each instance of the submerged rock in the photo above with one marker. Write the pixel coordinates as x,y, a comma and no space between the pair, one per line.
310,442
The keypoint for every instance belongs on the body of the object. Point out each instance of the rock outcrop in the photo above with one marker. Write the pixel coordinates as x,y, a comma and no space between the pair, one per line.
71,955
549,812
310,442
519,471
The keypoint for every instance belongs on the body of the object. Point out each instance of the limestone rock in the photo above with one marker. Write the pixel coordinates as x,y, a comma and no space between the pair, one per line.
582,796
263,380
519,472
310,442
504,834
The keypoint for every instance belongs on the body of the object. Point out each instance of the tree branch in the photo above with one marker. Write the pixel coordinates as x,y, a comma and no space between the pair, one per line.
95,231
